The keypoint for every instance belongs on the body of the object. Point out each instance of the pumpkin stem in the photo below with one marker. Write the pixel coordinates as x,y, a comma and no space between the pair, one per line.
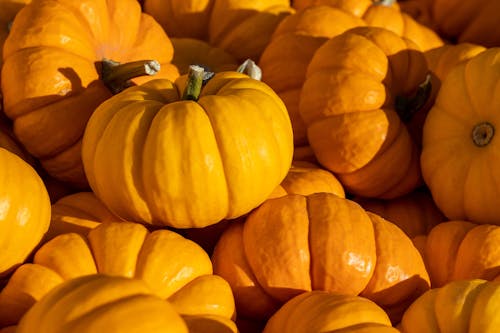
117,76
406,107
482,134
250,68
387,3
196,76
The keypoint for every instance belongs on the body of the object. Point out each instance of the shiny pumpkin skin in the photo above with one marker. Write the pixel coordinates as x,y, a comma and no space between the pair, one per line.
459,158
23,218
348,103
240,27
98,303
293,244
321,311
460,306
122,249
50,77
189,164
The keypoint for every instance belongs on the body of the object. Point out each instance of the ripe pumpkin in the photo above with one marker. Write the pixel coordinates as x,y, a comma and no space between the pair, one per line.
360,89
285,59
460,306
459,151
122,249
321,311
240,27
190,163
8,10
23,218
458,250
294,244
54,67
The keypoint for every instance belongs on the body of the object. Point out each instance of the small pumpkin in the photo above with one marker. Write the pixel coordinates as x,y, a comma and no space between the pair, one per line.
193,161
459,158
23,218
460,306
122,249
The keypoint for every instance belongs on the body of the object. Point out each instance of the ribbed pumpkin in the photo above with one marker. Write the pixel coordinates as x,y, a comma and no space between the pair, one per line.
296,243
360,89
240,27
122,249
458,250
460,161
285,59
462,306
321,311
186,163
54,67
8,10
384,14
24,210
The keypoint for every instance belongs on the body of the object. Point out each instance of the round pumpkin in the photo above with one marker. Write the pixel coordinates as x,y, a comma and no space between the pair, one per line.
361,88
60,63
122,249
24,210
459,157
321,311
460,306
294,244
191,163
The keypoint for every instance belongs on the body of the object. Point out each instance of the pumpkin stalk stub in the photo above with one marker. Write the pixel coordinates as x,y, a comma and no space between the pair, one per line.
117,76
387,3
250,68
406,107
482,134
196,76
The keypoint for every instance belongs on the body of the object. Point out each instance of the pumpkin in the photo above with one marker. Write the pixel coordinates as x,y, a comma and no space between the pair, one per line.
285,59
57,58
458,250
415,213
191,163
294,244
9,142
240,27
459,149
360,89
8,11
459,306
384,14
122,249
23,218
321,311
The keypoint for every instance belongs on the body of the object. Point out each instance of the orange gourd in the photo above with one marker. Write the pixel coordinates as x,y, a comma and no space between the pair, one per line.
8,10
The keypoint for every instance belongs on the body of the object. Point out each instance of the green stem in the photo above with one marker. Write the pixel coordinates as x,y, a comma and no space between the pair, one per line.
406,107
194,83
250,68
117,76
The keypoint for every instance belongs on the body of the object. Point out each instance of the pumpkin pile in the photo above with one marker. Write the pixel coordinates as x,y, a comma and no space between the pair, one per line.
234,166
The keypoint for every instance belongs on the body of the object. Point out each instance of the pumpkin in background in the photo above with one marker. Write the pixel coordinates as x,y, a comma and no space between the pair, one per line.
23,218
188,163
361,88
9,142
122,249
460,160
415,213
384,14
461,306
458,250
240,27
67,45
294,244
285,59
8,10
321,311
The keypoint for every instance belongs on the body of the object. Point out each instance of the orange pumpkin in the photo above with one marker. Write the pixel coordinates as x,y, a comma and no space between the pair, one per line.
8,11
122,249
294,244
361,88
459,151
55,65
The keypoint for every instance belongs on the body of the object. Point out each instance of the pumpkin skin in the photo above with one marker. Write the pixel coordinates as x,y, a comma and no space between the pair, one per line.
9,9
23,218
101,302
202,161
459,306
61,85
122,249
296,243
348,103
459,142
321,311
